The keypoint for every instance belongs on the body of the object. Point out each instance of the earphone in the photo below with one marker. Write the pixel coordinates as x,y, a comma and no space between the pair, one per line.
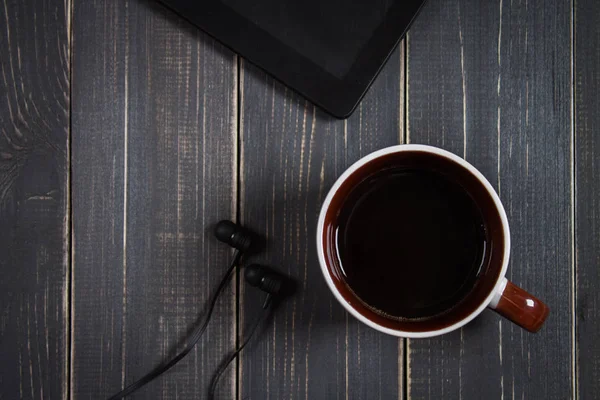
264,278
234,235
273,283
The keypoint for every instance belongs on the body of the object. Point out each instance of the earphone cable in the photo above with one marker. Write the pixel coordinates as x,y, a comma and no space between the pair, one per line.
223,367
191,343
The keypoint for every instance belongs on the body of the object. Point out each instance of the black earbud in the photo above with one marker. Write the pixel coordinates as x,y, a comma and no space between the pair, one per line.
234,235
270,281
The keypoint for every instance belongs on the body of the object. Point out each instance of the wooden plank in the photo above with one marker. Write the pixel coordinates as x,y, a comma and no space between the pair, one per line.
34,215
154,160
291,155
587,210
491,83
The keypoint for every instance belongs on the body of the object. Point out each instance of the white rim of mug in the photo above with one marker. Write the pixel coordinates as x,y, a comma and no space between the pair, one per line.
498,286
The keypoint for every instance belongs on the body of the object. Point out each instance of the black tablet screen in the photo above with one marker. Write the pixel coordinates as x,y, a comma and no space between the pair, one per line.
328,50
330,33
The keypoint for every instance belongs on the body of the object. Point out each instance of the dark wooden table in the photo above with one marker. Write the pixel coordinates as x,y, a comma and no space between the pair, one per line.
126,133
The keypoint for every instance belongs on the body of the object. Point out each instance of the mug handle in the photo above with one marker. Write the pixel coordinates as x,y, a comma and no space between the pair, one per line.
520,307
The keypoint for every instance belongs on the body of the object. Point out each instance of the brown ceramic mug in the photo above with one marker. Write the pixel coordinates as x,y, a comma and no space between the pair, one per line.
491,289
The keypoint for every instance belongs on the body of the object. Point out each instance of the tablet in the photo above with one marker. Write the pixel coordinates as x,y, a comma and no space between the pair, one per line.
327,50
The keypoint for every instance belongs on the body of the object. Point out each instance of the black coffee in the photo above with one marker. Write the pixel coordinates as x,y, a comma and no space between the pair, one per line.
411,243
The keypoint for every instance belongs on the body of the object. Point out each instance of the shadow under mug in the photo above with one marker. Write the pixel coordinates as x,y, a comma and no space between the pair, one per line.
491,290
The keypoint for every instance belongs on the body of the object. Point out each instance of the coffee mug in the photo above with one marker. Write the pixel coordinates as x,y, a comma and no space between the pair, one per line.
414,242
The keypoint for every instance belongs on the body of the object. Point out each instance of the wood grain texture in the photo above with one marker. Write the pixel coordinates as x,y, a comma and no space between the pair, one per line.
154,160
291,153
491,82
34,217
587,211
